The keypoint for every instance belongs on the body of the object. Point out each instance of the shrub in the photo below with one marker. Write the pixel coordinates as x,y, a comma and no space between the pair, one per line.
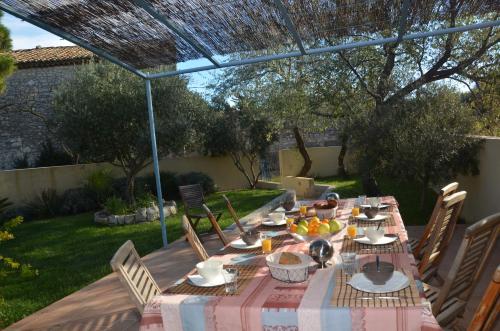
116,206
201,178
145,200
22,162
4,205
46,204
100,185
77,200
51,156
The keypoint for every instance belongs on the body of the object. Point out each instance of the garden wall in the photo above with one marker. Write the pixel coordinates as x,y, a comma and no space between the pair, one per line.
324,161
483,191
22,185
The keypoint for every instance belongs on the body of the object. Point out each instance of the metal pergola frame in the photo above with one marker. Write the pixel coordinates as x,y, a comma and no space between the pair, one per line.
181,33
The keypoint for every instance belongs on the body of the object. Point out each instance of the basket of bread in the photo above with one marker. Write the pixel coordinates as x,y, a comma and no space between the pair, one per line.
289,267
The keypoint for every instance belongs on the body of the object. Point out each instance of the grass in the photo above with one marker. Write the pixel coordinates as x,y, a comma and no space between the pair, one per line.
72,252
406,193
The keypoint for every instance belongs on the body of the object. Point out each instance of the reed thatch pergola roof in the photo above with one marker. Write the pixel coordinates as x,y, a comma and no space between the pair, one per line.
142,34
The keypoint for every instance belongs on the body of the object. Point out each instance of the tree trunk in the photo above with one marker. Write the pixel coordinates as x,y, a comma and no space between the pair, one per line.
370,185
343,150
303,151
130,194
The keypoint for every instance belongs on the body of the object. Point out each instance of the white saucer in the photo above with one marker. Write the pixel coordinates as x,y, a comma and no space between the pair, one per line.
382,241
397,282
199,281
381,206
240,244
378,217
269,222
282,210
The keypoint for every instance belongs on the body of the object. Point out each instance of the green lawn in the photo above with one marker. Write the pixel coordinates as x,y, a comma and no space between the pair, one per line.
72,252
407,194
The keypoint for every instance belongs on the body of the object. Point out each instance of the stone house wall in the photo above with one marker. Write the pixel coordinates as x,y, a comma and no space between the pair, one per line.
30,89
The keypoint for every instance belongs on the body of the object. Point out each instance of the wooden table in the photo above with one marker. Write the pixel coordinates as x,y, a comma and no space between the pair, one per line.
268,304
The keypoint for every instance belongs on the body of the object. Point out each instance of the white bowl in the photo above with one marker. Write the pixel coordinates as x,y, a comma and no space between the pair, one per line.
277,217
289,273
210,270
373,234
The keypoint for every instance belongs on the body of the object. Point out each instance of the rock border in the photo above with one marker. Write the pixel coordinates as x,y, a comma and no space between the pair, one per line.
141,215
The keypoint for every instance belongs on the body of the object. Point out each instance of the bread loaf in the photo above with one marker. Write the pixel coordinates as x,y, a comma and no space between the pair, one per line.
289,258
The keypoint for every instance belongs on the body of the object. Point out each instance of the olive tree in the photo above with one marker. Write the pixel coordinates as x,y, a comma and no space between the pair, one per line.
242,131
101,115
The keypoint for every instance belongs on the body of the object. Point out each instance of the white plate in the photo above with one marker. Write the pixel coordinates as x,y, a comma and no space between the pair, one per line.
381,206
268,222
240,244
282,210
382,241
397,282
378,217
199,281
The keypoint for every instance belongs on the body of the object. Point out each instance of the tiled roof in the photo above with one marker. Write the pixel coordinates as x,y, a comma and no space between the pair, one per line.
51,56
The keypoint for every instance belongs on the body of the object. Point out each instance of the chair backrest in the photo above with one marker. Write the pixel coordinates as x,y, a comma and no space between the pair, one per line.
486,314
233,213
134,275
469,262
192,196
442,232
193,239
216,226
443,193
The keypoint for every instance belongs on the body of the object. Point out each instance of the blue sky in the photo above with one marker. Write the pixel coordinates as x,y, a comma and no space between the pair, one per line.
25,35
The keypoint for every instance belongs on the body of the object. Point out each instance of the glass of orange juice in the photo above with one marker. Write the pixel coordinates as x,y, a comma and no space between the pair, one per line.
355,211
266,243
352,230
303,211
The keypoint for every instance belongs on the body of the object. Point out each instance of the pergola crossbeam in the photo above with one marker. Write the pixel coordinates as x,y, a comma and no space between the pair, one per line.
75,40
290,26
177,29
404,19
329,49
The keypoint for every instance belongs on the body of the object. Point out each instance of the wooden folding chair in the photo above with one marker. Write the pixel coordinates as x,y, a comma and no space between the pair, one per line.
194,240
233,213
134,275
216,226
417,245
449,301
486,314
441,235
193,200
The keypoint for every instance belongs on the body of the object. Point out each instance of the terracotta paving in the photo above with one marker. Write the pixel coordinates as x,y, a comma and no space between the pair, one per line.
104,305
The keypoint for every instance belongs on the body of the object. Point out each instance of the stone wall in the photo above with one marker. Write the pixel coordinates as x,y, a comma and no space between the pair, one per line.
28,90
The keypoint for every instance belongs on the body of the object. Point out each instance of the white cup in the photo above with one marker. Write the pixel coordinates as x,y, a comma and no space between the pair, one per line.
277,217
373,234
210,270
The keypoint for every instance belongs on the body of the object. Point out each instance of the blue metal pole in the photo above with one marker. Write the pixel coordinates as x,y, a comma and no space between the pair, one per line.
156,165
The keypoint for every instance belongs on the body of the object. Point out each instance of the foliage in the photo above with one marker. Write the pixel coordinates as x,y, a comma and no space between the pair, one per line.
414,141
76,201
71,252
195,177
4,205
101,115
116,206
99,184
243,132
46,204
145,200
7,63
51,156
22,162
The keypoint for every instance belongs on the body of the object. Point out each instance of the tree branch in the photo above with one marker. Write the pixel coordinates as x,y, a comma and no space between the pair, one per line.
358,76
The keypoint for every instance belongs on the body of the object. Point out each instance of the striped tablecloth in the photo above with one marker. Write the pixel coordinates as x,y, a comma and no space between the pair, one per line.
270,305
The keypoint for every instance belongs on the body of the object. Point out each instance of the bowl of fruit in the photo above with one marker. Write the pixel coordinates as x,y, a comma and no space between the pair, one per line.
314,228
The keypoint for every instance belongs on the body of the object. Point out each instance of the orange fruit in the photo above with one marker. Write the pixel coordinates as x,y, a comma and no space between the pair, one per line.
293,228
325,221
